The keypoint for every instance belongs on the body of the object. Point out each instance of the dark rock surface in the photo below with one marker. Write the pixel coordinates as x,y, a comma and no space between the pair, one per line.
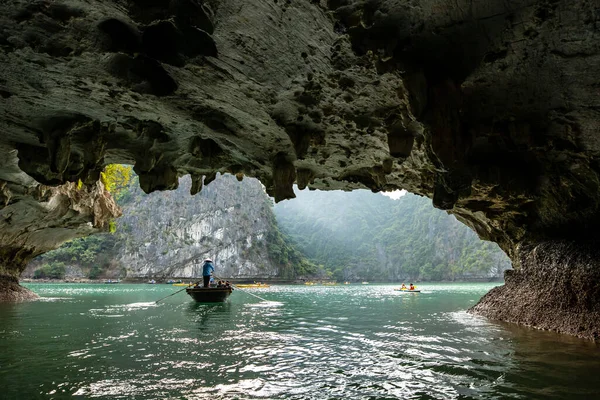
489,108
11,291
557,288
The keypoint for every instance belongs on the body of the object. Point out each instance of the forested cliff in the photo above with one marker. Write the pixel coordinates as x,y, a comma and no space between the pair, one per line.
364,236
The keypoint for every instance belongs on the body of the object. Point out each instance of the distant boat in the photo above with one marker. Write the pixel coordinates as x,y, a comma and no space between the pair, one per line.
365,283
152,281
309,283
209,295
252,285
112,281
183,284
329,283
346,283
406,290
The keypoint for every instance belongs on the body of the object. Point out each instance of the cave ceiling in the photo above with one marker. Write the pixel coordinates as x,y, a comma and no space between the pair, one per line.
489,108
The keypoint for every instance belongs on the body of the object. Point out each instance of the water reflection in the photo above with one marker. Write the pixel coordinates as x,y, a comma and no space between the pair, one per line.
553,366
202,314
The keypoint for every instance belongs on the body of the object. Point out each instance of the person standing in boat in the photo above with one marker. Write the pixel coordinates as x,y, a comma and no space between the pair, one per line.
207,270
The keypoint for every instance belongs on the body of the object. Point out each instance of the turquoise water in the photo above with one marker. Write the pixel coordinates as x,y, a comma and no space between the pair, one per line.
306,342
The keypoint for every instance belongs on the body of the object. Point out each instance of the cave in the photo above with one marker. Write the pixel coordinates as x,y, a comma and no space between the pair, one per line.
490,109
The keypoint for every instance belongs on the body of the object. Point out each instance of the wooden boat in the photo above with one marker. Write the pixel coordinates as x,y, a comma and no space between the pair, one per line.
209,295
252,285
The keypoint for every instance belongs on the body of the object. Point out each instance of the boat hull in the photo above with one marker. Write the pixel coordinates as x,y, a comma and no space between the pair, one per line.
209,295
407,291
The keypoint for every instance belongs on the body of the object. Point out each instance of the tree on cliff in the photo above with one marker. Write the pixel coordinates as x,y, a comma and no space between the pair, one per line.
117,178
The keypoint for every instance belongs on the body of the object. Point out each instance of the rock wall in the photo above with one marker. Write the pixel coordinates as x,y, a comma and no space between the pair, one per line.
556,287
169,234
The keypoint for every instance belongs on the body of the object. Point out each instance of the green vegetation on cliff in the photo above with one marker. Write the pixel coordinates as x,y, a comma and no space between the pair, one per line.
54,271
281,249
94,253
364,236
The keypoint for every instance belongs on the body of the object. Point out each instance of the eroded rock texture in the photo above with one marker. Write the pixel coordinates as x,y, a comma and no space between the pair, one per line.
489,108
36,218
557,287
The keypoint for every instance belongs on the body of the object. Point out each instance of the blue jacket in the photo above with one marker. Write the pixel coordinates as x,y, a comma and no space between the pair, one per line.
207,269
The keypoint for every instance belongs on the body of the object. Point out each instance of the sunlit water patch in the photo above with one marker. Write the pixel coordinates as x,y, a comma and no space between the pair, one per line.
300,342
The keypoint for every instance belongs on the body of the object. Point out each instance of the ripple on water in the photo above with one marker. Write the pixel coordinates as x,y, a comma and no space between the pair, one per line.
136,306
303,343
265,304
53,299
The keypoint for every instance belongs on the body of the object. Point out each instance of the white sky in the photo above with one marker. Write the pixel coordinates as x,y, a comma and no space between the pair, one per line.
396,194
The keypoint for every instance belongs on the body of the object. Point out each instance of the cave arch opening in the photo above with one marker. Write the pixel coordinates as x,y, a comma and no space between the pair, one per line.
320,235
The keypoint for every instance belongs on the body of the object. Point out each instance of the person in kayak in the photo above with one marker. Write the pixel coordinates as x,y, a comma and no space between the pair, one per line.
403,287
411,287
207,270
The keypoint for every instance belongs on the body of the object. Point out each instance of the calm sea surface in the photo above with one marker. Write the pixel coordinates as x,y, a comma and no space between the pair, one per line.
306,342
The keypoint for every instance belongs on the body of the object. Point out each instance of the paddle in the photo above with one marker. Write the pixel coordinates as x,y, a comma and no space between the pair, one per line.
239,288
173,294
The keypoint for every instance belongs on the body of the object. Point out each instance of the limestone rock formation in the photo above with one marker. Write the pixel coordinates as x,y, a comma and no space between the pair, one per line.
36,218
168,234
228,223
489,108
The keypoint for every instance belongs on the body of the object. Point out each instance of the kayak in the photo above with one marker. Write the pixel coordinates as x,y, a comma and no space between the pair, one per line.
252,285
407,291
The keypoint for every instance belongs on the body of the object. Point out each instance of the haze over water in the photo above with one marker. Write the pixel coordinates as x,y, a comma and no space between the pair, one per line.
308,342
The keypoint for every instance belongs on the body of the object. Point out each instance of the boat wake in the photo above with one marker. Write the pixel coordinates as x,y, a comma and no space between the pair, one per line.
50,299
137,306
265,304
120,310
